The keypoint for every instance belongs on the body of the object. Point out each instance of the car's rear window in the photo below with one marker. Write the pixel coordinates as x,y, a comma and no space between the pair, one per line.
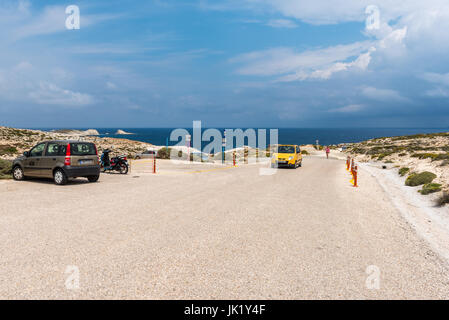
82,149
56,149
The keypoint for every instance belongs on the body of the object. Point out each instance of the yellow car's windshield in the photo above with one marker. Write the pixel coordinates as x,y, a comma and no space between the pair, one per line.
286,149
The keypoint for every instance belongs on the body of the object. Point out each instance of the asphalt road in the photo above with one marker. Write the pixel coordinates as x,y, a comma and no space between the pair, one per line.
213,233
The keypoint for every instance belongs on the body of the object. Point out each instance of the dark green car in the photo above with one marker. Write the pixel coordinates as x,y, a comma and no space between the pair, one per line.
59,160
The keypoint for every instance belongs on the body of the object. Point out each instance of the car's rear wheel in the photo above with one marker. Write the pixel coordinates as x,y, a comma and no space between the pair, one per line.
60,177
300,163
93,178
17,173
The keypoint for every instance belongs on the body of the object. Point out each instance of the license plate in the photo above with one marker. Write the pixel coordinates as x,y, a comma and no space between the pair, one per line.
86,161
282,161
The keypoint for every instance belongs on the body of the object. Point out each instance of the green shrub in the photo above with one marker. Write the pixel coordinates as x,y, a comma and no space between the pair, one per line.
430,188
163,153
383,155
432,156
304,152
417,179
6,149
5,169
403,171
443,199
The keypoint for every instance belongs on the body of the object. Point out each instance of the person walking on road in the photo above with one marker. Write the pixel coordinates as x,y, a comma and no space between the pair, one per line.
328,150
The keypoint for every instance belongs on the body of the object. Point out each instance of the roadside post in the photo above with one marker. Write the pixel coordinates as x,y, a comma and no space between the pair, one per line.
355,176
154,163
188,139
233,158
348,161
245,154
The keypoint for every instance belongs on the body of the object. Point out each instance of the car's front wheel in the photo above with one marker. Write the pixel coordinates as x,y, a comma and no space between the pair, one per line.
17,173
60,177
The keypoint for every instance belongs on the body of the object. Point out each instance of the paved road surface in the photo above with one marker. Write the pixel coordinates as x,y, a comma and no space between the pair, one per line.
228,234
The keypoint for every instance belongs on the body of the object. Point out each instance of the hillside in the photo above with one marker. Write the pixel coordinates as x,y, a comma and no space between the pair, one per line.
410,154
14,142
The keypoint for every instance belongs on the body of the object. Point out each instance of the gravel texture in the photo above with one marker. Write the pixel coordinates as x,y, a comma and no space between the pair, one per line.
212,234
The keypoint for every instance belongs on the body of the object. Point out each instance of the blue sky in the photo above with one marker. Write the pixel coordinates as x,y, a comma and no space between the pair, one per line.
246,63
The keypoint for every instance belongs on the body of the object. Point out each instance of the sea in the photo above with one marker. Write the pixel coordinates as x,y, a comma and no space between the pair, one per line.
301,136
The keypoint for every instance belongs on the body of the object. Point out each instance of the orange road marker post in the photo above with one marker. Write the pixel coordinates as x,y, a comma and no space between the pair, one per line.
154,164
348,161
233,158
355,176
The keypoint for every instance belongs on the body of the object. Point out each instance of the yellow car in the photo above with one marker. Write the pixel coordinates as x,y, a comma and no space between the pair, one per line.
287,156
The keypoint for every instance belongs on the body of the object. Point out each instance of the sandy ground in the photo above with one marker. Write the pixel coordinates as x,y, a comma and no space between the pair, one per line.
213,232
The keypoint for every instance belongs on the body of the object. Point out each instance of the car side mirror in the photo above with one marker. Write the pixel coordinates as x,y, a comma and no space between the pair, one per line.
26,154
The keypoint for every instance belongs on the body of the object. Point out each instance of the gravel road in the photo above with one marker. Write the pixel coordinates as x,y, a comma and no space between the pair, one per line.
213,234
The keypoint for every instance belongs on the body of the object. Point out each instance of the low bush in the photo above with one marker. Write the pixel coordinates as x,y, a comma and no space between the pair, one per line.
430,188
304,152
6,149
417,179
403,171
163,153
5,169
383,155
432,156
443,199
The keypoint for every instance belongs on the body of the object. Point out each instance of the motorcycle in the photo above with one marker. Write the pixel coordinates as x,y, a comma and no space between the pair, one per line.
119,163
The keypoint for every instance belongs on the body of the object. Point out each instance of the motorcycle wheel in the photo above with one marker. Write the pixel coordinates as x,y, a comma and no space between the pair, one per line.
123,169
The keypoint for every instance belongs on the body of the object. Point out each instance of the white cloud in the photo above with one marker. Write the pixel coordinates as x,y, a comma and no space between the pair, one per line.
360,63
21,22
437,92
442,82
348,109
282,61
111,85
385,95
437,78
50,94
282,23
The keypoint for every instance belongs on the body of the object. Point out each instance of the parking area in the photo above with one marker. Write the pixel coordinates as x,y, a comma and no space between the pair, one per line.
230,234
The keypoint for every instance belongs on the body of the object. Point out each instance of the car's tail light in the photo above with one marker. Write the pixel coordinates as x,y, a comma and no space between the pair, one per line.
67,161
96,152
